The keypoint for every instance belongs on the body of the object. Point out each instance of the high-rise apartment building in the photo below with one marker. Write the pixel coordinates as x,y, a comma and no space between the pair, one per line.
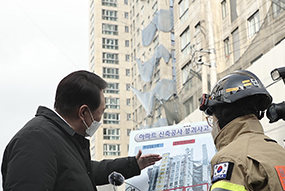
249,30
140,47
110,59
152,56
137,45
196,27
214,38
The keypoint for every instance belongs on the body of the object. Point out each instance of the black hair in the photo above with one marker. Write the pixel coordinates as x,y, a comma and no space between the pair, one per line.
76,89
230,111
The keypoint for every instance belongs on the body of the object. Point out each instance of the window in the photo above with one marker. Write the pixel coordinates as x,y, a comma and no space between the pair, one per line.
109,15
92,47
111,3
197,28
135,117
157,76
111,150
172,35
127,29
173,54
253,24
126,15
128,72
142,25
138,47
209,82
128,101
92,5
187,79
125,2
224,9
110,43
92,19
171,4
188,106
127,57
92,33
92,62
154,8
109,29
183,10
158,113
127,43
142,10
144,88
111,134
156,42
131,43
111,73
146,121
111,118
112,103
140,111
112,88
128,132
227,47
277,7
186,71
110,58
137,17
185,42
129,117
128,87
236,45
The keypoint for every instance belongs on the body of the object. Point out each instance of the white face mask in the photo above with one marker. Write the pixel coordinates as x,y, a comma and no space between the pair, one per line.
93,127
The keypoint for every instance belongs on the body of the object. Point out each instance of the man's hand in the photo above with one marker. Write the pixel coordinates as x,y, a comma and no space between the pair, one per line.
147,160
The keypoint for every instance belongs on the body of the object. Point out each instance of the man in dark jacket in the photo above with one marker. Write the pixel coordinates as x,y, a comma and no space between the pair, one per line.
51,152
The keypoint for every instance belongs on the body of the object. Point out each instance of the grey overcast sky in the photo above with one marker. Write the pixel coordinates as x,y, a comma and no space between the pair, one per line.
41,41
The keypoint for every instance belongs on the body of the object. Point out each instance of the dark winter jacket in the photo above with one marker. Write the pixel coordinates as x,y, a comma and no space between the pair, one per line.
47,154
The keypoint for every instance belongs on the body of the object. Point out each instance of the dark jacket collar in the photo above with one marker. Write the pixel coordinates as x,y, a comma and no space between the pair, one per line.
51,115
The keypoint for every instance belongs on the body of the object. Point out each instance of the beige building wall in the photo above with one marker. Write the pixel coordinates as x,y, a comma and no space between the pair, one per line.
141,14
196,30
242,55
240,32
275,58
110,59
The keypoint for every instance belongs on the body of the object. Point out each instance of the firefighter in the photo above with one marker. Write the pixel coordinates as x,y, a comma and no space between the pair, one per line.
246,159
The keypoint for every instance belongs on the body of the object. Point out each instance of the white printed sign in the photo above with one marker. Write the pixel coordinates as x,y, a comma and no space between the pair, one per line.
186,151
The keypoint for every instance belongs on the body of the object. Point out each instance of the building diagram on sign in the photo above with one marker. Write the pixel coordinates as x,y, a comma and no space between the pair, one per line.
185,163
181,172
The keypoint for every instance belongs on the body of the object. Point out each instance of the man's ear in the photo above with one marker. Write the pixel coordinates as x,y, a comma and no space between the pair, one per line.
82,111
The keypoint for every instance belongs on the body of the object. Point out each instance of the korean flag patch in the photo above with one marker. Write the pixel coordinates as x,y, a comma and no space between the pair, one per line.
222,171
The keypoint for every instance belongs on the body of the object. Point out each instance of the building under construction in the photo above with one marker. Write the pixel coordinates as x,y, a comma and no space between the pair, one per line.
181,172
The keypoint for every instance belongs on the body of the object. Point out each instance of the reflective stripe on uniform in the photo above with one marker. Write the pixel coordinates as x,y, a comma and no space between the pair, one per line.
227,186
